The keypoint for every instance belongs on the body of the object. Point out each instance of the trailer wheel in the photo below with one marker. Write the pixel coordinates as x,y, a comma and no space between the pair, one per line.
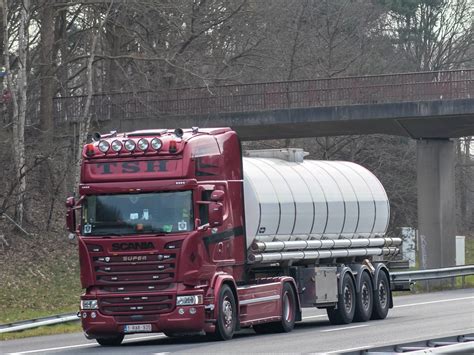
110,341
227,314
346,304
381,297
288,314
365,299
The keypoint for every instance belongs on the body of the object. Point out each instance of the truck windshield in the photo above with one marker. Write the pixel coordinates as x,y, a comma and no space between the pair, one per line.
163,212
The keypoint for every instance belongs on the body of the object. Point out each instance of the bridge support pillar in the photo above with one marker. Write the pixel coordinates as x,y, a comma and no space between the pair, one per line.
436,203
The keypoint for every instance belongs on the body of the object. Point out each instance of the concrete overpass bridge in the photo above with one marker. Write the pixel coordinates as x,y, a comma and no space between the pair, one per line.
431,107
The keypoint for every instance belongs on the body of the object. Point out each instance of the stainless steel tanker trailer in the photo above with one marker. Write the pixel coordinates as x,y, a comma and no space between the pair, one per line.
324,224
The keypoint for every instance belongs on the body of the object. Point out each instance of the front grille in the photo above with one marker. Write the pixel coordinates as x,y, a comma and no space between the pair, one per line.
136,304
142,274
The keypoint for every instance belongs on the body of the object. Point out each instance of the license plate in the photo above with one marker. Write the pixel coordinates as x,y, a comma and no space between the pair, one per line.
137,328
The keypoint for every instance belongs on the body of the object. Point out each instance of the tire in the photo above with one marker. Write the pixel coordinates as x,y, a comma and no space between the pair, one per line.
346,304
288,314
111,341
227,314
365,299
382,295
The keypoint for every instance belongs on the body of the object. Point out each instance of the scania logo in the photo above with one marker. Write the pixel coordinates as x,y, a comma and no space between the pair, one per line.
132,246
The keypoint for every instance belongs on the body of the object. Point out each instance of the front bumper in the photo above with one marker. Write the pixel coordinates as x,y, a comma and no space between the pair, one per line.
173,322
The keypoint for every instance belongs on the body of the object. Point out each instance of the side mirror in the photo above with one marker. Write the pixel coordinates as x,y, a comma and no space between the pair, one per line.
70,214
216,215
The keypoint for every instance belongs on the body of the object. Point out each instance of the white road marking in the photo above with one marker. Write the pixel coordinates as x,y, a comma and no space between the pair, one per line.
350,349
431,302
58,348
318,316
351,327
130,340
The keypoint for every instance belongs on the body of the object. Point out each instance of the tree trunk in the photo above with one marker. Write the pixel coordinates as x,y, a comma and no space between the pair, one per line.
46,67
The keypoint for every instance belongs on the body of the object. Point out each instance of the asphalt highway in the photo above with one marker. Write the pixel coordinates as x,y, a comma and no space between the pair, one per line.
414,317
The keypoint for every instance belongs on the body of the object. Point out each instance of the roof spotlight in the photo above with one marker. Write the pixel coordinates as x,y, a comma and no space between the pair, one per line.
143,144
156,143
104,146
116,146
130,145
178,132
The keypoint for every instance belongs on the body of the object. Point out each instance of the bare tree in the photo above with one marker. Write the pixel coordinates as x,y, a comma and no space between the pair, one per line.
85,122
432,35
18,85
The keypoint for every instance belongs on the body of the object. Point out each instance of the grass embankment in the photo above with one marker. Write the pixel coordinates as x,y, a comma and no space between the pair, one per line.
39,278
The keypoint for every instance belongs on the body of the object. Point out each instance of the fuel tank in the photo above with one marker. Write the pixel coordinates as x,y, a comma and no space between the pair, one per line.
308,200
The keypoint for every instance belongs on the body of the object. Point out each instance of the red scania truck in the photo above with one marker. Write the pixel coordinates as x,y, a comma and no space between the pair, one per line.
181,232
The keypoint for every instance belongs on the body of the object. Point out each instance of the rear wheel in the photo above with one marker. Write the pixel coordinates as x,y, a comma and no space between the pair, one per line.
288,314
111,341
344,314
365,299
381,297
227,314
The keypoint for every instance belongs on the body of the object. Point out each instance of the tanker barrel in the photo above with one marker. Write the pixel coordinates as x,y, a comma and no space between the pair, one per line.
323,244
320,254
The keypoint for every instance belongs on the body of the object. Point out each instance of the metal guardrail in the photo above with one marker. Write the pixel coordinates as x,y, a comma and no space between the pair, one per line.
457,344
403,277
38,322
398,278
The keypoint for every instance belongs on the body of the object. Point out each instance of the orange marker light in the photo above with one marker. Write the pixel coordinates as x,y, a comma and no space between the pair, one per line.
172,147
90,149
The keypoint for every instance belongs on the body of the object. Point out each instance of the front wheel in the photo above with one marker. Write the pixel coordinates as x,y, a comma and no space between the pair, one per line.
227,314
111,341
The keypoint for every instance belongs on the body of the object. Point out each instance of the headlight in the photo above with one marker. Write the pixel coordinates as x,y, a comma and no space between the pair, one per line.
104,146
89,304
156,143
143,144
188,300
116,146
130,145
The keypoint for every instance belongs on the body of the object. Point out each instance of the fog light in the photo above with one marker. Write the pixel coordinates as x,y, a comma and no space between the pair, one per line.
192,310
181,311
93,314
84,315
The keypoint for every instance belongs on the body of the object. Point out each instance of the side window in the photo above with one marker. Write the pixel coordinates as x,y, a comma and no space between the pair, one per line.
203,209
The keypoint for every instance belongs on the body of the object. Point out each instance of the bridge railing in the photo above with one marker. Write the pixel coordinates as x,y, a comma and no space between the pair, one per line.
408,87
